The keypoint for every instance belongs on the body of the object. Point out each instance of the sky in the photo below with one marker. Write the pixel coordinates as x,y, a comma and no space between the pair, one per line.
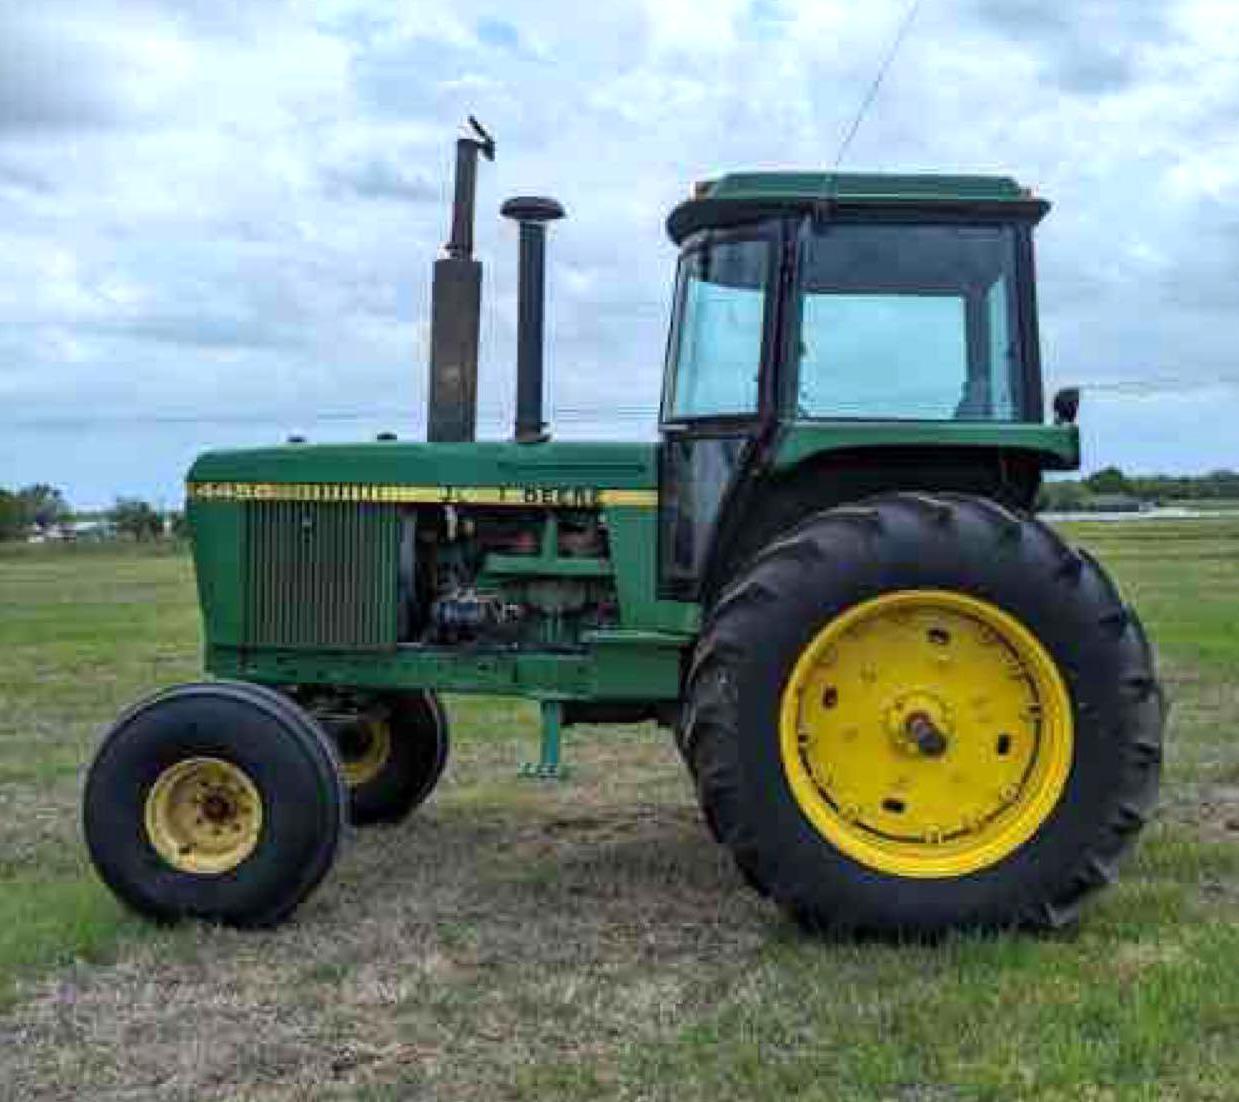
217,219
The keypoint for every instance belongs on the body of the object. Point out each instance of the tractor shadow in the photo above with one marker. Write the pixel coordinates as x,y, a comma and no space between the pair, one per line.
549,885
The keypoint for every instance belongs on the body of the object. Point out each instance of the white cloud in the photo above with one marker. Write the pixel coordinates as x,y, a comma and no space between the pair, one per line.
217,207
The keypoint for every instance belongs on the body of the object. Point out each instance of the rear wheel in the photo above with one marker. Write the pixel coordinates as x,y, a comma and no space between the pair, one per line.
220,801
924,713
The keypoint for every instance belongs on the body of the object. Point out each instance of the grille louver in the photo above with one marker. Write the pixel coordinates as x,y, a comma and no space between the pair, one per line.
321,574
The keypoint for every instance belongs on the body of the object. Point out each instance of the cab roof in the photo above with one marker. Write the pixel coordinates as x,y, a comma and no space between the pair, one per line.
745,196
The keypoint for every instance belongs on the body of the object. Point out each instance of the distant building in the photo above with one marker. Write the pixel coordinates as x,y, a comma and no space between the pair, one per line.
73,531
93,530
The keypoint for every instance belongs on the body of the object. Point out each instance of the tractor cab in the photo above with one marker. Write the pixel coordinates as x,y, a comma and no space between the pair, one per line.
858,303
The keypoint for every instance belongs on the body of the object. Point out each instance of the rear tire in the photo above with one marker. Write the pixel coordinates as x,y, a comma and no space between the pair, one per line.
1031,853
221,801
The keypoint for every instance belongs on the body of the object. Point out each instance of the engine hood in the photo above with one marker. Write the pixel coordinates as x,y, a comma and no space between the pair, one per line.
553,472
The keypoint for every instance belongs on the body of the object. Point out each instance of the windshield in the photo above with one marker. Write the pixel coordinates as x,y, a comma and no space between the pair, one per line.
902,321
717,329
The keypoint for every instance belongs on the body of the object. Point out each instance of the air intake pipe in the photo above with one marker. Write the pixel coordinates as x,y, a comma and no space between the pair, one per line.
456,306
532,213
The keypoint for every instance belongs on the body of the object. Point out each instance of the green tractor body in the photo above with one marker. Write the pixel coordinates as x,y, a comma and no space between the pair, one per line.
298,552
851,441
587,562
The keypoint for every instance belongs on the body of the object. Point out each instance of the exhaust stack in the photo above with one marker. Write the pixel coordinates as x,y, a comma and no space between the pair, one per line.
456,305
532,212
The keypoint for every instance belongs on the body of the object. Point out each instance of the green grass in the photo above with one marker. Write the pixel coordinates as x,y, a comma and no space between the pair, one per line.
82,632
586,940
1182,575
47,920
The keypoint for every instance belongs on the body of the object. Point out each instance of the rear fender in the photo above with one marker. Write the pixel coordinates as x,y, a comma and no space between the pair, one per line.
778,497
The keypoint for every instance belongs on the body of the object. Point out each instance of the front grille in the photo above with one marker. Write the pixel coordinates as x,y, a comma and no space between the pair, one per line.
321,574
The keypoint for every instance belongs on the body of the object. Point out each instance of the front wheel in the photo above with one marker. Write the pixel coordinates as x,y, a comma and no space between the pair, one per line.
221,801
392,748
925,713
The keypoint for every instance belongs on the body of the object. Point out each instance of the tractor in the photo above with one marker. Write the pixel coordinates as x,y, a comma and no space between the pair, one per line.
907,706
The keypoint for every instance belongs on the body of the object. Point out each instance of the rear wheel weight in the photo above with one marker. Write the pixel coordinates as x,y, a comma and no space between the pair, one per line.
955,811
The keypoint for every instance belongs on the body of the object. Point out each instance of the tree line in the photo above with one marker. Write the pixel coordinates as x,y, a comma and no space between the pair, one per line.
1111,484
41,511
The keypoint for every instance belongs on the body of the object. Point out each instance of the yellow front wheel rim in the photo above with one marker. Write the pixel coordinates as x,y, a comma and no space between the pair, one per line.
926,733
204,816
365,751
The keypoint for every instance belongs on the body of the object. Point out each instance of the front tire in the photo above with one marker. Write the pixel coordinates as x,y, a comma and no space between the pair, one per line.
221,801
393,751
924,713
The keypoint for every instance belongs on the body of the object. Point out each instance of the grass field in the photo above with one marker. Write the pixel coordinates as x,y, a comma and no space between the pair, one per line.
516,941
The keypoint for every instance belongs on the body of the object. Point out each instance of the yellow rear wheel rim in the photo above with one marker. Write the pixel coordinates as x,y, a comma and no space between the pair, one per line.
204,816
366,752
926,733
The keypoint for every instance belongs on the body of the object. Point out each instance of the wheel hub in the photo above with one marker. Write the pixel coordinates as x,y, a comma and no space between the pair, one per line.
926,733
204,816
919,723
218,808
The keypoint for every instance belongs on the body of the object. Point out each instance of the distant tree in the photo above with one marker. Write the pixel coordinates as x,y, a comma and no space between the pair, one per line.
135,518
43,505
37,506
1223,484
179,524
12,517
1062,496
1108,480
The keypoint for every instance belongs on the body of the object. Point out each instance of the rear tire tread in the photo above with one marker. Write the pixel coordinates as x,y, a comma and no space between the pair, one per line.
711,736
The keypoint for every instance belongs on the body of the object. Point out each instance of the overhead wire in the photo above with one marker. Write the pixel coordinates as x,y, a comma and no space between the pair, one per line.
567,412
300,417
563,412
872,94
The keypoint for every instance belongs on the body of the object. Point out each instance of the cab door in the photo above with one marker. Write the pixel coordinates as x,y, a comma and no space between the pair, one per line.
719,389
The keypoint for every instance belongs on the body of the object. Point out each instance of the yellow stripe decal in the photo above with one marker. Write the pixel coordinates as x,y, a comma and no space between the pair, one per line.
555,497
